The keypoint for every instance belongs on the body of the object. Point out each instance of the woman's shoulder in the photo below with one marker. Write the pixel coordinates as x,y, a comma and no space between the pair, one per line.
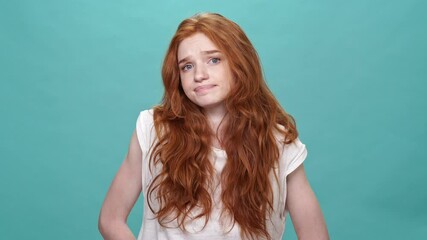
145,126
292,151
145,116
284,135
147,112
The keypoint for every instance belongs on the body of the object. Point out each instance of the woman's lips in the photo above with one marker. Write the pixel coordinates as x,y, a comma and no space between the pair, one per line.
204,88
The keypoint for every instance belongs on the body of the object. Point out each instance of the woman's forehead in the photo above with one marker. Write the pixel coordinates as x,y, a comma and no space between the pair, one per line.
196,44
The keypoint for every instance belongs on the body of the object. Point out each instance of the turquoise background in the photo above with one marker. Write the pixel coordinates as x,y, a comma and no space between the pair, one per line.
75,74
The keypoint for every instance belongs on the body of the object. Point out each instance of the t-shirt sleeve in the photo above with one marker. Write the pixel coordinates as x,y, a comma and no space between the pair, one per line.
143,130
140,130
295,154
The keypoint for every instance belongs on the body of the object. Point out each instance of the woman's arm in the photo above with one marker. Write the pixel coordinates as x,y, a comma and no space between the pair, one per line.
303,207
122,195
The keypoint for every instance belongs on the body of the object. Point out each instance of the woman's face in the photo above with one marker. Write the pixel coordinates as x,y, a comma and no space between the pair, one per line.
205,75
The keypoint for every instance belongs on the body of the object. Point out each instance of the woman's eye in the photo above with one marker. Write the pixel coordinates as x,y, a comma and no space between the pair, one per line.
187,67
214,60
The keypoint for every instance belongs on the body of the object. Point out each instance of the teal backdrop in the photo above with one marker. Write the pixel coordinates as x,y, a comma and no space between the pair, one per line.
75,74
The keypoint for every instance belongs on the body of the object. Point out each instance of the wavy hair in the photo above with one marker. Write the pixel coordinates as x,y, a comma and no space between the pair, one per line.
254,121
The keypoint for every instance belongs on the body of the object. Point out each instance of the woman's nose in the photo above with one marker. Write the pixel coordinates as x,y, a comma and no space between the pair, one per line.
201,73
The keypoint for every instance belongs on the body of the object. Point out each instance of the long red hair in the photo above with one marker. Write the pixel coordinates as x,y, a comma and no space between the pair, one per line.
254,120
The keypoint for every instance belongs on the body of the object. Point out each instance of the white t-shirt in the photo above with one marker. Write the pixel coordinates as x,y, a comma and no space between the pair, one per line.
291,156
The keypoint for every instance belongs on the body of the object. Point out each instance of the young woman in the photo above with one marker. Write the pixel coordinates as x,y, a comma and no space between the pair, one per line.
219,158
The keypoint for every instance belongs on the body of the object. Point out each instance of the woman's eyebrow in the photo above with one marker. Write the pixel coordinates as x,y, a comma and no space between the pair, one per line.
211,51
183,60
203,52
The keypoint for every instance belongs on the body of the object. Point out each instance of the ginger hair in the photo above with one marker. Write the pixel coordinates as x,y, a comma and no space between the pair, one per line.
254,120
